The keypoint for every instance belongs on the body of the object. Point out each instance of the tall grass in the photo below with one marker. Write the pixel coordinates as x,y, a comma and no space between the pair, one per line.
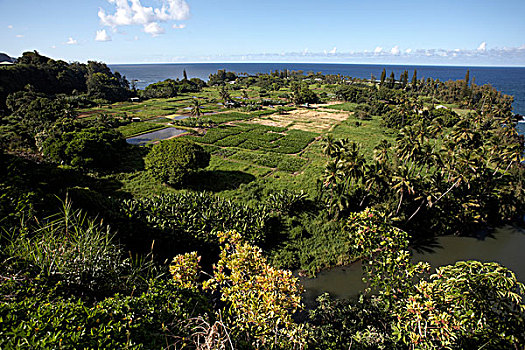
75,251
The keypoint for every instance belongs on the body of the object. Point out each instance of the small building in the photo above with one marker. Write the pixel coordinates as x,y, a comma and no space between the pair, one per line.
135,99
441,106
135,119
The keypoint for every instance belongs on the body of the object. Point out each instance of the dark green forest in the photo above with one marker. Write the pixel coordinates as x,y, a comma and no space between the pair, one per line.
190,242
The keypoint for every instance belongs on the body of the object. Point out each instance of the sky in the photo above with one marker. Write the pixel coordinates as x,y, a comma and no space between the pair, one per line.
447,32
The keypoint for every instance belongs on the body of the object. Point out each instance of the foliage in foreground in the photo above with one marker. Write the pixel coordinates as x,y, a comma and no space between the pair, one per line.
65,284
468,305
152,319
259,299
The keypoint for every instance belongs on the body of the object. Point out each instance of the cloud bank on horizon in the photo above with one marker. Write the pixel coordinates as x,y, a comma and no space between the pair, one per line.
132,12
480,55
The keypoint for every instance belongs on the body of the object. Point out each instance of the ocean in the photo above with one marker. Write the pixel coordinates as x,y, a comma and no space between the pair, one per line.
509,80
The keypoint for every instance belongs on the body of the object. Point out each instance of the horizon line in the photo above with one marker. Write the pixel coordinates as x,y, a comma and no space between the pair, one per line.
327,63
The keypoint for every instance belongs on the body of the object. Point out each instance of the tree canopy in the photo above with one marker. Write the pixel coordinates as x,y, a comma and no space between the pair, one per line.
171,160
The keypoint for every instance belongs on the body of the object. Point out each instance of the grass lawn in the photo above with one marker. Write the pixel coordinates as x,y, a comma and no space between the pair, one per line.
368,133
346,106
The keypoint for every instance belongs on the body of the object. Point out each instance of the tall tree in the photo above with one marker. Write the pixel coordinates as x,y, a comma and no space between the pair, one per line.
392,80
404,78
465,89
383,76
414,79
185,75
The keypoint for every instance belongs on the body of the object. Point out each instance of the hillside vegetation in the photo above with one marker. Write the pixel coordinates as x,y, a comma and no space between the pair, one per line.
188,243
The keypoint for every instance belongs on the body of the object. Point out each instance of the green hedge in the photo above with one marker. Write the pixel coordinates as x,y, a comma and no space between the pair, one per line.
149,320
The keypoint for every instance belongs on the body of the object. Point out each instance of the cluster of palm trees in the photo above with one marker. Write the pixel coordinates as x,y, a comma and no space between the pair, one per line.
433,178
196,108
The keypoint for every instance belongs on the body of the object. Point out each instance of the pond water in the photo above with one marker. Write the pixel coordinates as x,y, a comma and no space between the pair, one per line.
150,137
506,246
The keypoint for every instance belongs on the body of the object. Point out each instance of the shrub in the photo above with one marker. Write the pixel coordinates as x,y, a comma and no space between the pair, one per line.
170,161
150,320
90,147
259,300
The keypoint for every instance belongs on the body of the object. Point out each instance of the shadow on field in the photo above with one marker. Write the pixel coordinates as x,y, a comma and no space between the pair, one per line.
218,180
132,159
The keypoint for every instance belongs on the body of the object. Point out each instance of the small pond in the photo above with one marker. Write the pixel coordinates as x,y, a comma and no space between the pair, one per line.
506,246
150,137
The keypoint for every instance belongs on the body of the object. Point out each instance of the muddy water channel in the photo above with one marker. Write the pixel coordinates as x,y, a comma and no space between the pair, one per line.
506,246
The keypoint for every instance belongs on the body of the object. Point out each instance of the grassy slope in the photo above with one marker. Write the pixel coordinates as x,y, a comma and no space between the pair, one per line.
242,159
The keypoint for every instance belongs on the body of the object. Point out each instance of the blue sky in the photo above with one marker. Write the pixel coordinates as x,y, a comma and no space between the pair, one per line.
460,32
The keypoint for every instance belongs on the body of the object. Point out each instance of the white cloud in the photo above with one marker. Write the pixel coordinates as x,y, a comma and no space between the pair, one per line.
173,10
10,27
71,41
154,29
102,35
135,38
333,51
378,49
149,17
53,46
178,26
408,51
395,50
19,35
482,47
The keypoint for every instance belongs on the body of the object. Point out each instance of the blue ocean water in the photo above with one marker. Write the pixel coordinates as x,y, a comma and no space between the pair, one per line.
509,80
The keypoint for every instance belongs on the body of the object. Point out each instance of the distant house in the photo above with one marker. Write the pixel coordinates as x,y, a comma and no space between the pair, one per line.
135,119
135,99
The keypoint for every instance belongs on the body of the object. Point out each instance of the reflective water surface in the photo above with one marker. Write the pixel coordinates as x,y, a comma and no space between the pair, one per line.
158,135
506,246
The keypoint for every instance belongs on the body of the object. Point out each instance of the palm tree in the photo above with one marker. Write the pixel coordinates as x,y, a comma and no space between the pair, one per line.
329,146
196,108
381,152
403,183
225,95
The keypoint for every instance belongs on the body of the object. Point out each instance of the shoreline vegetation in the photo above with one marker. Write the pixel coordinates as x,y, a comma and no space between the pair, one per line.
191,240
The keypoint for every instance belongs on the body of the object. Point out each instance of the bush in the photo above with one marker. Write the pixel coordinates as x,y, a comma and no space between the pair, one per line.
171,160
83,146
150,320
